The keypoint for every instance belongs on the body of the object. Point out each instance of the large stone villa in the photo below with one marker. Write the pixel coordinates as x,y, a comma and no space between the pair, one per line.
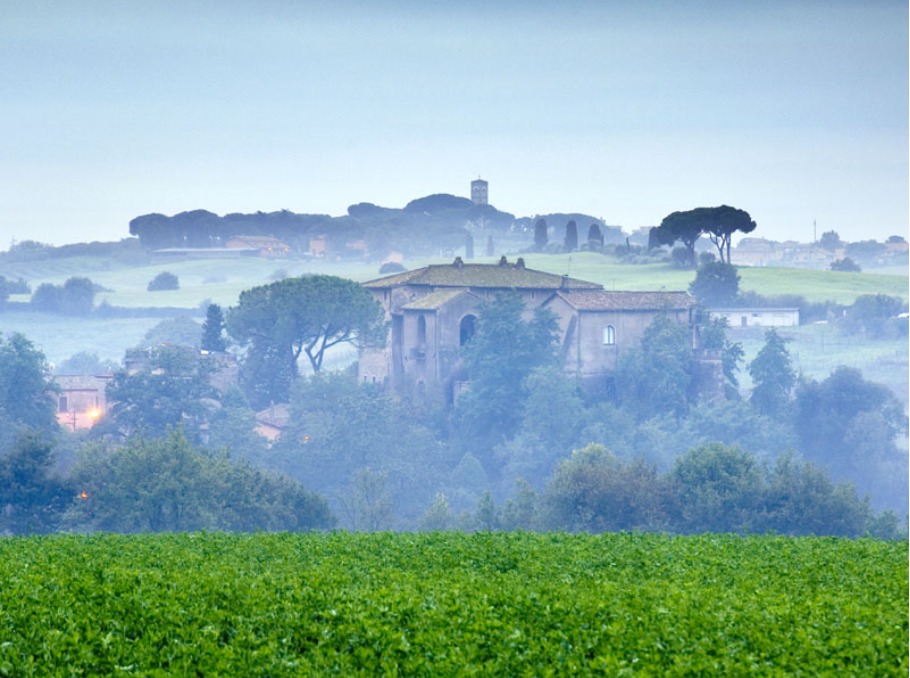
432,313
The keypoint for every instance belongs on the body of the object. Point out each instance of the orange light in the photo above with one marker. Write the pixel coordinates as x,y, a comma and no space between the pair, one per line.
83,495
94,413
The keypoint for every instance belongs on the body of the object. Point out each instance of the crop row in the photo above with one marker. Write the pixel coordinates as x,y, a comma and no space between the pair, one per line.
447,604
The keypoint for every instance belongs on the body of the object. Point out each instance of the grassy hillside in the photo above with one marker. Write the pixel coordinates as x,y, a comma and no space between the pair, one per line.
814,285
816,351
222,280
60,337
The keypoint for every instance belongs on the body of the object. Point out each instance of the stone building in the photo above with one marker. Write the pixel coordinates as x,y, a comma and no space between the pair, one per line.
81,399
432,313
597,326
480,192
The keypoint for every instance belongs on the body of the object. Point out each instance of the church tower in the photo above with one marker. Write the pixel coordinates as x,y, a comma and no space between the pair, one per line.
479,192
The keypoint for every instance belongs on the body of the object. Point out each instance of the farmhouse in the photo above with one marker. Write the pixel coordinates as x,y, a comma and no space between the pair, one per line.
432,313
80,399
267,246
758,317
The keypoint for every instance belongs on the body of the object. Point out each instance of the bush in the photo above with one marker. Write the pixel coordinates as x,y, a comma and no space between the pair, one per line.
875,316
391,267
846,265
47,298
164,281
680,257
715,284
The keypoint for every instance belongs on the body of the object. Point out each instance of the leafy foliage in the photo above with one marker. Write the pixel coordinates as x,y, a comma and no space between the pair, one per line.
340,430
540,235
875,316
179,331
711,488
720,225
48,298
593,491
845,265
713,334
773,375
85,362
390,267
164,281
686,227
8,287
165,485
678,227
595,237
499,357
657,378
213,330
25,395
830,241
715,284
849,425
307,315
32,497
452,604
570,243
716,489
547,430
172,391
75,297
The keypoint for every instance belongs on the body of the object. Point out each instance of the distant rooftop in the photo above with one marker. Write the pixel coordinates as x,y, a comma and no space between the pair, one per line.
603,300
501,275
435,300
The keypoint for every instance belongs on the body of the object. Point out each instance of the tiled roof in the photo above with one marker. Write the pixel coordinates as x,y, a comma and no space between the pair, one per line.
482,275
602,300
434,300
82,382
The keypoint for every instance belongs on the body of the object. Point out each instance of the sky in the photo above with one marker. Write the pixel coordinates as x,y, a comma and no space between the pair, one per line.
794,111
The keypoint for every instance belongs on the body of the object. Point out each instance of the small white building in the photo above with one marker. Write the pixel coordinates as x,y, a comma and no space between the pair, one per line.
758,317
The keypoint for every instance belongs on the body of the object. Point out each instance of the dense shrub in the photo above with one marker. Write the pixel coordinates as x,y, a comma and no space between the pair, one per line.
75,297
164,281
391,267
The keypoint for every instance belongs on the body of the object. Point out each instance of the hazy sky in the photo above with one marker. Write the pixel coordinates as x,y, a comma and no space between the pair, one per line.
794,111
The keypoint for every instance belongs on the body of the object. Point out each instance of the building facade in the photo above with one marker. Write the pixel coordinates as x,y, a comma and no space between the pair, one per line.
432,312
81,399
757,317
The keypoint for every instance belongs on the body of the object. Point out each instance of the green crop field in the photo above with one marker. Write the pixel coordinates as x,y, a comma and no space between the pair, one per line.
451,604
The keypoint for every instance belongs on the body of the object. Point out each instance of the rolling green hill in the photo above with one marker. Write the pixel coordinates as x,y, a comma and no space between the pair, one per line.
816,351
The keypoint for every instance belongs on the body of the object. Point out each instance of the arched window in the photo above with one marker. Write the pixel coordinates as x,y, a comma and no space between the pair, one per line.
467,329
422,332
609,335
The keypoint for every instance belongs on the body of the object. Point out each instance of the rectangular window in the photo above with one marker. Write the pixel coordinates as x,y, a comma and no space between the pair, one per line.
62,404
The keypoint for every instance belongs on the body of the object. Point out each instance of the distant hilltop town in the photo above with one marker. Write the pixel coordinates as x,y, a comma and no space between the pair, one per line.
447,225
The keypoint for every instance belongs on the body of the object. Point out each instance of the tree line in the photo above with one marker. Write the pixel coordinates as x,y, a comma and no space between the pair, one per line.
385,460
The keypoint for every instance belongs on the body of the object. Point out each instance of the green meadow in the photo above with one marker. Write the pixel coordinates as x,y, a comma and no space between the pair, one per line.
816,350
